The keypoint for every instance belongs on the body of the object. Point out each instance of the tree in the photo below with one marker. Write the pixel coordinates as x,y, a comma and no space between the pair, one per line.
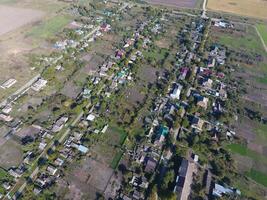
41,161
153,195
168,179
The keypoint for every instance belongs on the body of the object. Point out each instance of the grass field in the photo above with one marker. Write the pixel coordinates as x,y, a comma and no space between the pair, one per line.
262,28
261,132
116,160
49,28
251,8
244,151
249,41
257,176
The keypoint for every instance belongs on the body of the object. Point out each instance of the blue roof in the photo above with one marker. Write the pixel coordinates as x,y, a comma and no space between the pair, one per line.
164,130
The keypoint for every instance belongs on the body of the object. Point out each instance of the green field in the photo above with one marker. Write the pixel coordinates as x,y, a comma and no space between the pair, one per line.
250,41
120,132
262,80
116,160
244,151
262,28
261,132
257,176
49,28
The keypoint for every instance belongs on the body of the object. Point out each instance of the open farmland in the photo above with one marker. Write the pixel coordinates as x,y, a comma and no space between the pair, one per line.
12,18
251,8
175,3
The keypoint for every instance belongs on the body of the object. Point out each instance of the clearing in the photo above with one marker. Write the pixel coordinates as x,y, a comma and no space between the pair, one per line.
12,18
251,8
10,154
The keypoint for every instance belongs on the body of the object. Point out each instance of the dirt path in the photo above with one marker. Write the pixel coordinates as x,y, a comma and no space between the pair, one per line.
204,10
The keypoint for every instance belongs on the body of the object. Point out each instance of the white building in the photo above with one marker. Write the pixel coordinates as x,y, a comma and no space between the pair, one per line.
176,92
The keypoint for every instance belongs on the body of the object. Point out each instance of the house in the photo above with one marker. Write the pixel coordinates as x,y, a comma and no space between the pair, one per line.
119,54
207,83
137,195
151,164
6,185
9,83
211,62
196,123
202,101
7,109
5,118
104,129
176,92
59,124
90,117
184,179
129,42
208,182
161,135
52,170
183,73
83,149
14,173
39,84
37,190
139,181
105,27
59,162
42,145
219,191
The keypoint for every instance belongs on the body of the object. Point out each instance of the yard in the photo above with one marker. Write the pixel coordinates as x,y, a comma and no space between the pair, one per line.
107,149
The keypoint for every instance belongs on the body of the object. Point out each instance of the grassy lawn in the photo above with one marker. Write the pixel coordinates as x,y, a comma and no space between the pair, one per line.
250,41
257,176
4,175
49,28
262,28
155,55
